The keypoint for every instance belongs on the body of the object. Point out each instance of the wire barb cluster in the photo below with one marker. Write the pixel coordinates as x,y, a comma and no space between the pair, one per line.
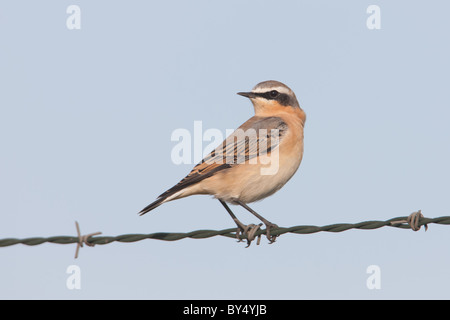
414,222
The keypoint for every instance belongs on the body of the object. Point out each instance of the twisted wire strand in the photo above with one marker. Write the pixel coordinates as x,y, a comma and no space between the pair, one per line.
231,232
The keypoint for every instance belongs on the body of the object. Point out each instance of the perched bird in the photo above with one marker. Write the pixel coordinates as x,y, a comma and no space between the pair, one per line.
252,163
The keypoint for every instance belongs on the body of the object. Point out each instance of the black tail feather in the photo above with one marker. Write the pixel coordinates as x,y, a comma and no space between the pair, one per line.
152,206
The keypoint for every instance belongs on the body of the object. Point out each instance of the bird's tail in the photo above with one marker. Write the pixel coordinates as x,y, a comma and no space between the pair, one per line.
169,195
152,206
180,190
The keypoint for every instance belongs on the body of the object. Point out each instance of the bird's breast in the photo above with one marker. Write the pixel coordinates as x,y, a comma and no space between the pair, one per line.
252,182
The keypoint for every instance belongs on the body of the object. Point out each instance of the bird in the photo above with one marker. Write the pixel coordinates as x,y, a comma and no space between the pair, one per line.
253,162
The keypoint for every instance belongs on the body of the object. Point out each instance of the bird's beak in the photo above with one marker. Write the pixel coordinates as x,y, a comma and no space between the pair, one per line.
250,95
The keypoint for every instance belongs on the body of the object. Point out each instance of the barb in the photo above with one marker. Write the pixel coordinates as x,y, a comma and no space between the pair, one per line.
83,239
413,220
416,220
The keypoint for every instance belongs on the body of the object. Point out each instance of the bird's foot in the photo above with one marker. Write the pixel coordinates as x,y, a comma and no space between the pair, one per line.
269,227
249,232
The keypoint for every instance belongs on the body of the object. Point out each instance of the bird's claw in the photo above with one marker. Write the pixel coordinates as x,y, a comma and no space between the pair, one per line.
271,238
249,232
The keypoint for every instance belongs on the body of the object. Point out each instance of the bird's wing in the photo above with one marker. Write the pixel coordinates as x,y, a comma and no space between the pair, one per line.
257,136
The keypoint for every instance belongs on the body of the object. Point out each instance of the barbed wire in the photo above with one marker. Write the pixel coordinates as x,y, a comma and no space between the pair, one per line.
413,221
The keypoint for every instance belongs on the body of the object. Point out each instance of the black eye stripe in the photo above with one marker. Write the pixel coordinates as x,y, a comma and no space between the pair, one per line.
273,93
282,98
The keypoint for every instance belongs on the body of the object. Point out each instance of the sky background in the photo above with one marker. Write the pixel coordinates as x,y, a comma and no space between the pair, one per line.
86,118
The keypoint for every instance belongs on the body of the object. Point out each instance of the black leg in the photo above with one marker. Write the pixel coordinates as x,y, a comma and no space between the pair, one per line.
238,223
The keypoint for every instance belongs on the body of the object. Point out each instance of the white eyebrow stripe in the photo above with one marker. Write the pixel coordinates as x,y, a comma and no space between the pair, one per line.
279,89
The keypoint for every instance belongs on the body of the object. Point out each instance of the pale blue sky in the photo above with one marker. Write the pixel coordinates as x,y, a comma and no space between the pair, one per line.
86,118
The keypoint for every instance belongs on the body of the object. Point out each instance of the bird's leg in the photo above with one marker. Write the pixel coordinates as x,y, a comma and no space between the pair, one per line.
240,225
269,225
247,230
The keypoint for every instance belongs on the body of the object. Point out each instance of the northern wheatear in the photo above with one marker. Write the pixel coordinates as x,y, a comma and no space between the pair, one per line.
234,172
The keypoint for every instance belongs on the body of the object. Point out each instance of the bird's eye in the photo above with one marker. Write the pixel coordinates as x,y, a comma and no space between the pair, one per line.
273,93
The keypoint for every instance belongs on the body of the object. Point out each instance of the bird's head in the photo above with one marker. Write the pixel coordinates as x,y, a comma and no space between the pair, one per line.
269,96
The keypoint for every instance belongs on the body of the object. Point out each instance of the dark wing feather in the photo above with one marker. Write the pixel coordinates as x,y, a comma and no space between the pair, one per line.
255,137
